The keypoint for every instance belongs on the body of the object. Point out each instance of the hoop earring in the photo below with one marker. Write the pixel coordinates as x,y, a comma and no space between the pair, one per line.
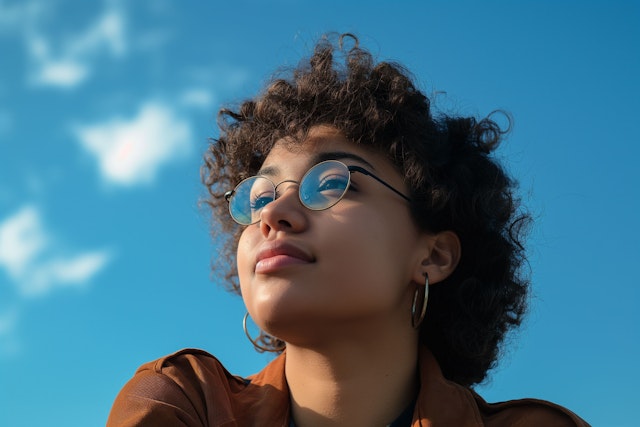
417,318
255,342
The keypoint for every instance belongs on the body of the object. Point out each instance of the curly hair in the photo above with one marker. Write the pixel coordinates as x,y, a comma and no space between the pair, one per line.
455,184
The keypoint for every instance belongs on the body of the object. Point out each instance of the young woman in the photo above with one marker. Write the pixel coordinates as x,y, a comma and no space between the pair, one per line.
379,249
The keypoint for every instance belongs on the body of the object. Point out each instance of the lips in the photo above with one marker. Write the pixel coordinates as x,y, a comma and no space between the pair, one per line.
277,255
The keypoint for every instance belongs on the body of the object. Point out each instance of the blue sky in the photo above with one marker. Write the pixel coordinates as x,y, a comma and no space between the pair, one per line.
105,110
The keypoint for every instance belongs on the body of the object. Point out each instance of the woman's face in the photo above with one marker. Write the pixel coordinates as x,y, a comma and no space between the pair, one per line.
308,274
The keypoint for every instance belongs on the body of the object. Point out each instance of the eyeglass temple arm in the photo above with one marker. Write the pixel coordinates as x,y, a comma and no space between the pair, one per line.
366,172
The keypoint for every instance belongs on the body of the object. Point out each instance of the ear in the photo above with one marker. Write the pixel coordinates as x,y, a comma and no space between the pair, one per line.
440,257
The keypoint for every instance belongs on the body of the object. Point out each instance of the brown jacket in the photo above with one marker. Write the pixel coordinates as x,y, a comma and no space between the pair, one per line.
192,388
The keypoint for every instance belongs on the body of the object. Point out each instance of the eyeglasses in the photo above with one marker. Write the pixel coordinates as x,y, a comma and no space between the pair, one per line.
320,188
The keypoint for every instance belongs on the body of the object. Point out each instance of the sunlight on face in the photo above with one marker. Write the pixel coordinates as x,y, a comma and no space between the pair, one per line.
304,272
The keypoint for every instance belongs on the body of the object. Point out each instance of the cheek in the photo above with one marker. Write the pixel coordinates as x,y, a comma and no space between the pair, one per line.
371,255
245,260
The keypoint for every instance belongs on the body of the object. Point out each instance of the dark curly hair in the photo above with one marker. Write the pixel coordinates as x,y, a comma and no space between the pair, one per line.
446,161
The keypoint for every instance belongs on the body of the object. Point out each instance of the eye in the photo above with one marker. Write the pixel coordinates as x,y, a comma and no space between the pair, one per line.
260,201
333,183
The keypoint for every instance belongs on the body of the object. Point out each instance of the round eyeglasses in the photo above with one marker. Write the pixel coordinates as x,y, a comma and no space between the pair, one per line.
320,188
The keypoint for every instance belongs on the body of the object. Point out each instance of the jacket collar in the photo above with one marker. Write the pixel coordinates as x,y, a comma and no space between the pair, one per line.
440,402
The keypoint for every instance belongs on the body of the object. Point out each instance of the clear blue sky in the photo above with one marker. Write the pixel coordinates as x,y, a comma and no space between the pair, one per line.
105,110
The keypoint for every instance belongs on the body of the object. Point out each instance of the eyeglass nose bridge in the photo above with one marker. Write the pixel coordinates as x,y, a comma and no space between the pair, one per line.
278,194
275,186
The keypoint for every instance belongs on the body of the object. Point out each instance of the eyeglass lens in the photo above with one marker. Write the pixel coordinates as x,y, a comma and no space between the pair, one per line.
321,187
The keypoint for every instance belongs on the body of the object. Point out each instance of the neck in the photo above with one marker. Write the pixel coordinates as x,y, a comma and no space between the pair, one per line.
352,383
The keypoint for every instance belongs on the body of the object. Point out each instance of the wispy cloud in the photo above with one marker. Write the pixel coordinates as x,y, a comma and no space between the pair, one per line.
107,32
197,97
63,73
76,270
70,63
32,259
210,83
223,77
22,239
131,151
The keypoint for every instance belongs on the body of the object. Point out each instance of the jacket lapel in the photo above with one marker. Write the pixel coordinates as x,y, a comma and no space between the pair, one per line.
442,402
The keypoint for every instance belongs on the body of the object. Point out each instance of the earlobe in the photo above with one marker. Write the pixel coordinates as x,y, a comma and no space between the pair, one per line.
441,257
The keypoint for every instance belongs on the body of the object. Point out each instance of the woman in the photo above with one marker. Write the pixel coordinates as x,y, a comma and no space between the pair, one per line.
378,248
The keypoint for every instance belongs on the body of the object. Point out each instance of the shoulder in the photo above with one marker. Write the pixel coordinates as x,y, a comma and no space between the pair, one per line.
453,404
527,412
175,390
189,365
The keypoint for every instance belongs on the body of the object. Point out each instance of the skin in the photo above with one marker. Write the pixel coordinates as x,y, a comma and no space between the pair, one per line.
341,298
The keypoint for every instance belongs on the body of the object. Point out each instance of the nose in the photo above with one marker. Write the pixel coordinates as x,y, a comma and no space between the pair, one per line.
285,213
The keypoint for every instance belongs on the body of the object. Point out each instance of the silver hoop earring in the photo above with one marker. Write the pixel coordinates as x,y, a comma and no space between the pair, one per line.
418,317
255,342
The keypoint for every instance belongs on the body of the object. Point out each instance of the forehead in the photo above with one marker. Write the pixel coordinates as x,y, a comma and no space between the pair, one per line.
321,143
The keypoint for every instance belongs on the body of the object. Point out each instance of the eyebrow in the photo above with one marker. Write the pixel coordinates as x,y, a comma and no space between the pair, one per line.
321,157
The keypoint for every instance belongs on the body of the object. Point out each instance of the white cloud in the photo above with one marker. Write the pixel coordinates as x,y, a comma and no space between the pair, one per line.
64,272
131,152
107,32
72,62
32,260
22,239
79,268
66,73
